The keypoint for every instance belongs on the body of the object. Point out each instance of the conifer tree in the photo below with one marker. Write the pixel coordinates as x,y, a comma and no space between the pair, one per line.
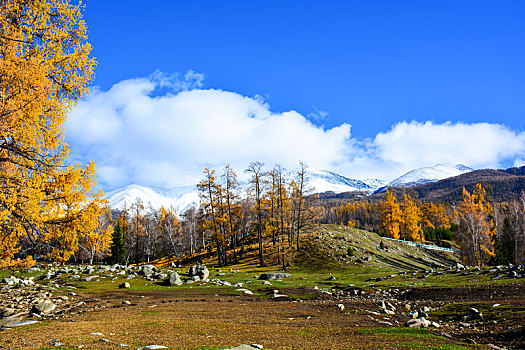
118,251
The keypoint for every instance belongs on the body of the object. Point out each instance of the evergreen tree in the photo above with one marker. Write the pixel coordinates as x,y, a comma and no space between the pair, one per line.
504,244
118,251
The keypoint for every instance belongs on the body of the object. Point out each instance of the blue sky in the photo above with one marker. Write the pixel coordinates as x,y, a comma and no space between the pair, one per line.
365,66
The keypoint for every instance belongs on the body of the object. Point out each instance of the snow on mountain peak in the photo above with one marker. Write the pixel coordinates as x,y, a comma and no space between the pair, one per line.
179,198
182,198
428,174
324,181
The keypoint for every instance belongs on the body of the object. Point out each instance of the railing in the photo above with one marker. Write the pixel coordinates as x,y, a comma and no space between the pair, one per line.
426,246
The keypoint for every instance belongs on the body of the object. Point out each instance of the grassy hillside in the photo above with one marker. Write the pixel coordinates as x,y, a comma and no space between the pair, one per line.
333,247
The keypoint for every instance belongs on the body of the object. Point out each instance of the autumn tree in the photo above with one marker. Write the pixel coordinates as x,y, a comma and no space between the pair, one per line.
476,229
45,66
390,215
211,193
189,225
281,214
96,235
410,227
170,229
303,213
232,207
255,169
517,219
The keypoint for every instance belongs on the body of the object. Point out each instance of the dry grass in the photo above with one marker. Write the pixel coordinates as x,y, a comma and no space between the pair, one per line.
193,319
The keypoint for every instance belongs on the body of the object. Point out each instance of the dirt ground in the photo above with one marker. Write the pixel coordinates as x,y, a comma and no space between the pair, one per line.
212,318
503,308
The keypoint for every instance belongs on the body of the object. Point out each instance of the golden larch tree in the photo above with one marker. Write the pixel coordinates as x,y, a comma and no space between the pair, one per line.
410,226
475,227
45,66
390,215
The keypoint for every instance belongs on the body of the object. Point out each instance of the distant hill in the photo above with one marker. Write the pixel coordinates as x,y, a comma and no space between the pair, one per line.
516,171
500,186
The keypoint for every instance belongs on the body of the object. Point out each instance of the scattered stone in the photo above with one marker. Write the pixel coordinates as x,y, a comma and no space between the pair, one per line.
147,270
174,279
418,323
89,278
272,276
245,291
331,278
388,308
124,285
341,307
199,270
151,347
246,347
44,307
126,302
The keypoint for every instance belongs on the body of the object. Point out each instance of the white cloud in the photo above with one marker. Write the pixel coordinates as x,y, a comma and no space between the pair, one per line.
137,135
167,140
479,145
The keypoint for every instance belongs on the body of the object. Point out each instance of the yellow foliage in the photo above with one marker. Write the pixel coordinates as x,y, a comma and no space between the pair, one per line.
410,219
476,228
391,215
44,68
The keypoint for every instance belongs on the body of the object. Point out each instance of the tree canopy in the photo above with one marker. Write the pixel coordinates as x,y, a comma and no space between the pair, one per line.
45,66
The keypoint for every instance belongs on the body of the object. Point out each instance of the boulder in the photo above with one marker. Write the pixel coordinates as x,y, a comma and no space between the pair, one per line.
125,285
174,280
147,270
418,323
199,270
271,276
44,307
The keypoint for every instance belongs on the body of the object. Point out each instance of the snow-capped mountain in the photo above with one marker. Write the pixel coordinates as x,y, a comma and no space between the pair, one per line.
180,198
323,181
426,175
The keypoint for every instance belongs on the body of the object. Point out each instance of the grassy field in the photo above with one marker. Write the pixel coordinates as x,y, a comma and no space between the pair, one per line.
209,316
